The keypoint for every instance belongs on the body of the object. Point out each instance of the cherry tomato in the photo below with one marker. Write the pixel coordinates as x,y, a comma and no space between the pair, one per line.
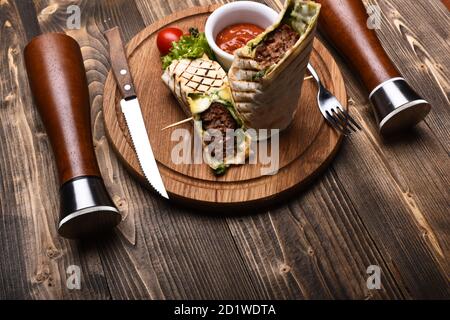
166,37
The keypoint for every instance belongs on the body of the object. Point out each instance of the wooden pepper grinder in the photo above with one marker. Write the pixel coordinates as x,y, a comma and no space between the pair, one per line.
58,82
396,105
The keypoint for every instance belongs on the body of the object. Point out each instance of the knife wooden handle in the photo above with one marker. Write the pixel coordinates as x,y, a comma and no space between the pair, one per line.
58,82
119,63
344,24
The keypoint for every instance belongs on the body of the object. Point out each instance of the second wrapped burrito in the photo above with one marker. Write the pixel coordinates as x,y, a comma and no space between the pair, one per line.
267,73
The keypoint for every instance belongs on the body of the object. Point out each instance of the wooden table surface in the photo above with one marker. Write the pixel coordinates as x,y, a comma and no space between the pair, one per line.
382,203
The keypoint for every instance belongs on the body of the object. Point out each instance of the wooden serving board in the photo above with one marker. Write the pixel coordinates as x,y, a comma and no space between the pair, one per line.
306,147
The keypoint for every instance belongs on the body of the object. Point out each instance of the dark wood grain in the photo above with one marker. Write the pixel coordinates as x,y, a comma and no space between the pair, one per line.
381,202
35,257
418,45
133,201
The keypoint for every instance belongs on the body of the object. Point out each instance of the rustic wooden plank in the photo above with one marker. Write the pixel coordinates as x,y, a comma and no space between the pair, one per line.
419,47
13,284
155,10
147,260
27,12
380,203
382,207
417,161
313,247
122,280
415,168
32,177
426,55
252,247
420,157
403,264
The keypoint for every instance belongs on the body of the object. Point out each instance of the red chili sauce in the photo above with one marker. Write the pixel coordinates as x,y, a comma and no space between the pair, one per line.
236,36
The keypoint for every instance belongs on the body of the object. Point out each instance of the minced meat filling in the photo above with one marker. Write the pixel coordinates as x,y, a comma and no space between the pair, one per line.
272,49
218,117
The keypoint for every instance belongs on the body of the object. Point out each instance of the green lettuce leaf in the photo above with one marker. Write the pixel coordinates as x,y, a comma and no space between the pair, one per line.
190,46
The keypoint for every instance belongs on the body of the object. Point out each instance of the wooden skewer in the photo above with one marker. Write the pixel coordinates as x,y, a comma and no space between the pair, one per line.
177,123
190,119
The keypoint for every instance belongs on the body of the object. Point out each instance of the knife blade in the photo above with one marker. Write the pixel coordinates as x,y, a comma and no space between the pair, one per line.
132,112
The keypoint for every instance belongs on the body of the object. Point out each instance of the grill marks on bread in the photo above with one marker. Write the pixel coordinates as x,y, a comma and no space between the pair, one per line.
199,75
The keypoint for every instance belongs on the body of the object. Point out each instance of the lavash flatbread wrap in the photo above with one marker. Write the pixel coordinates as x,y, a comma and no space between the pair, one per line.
267,73
202,90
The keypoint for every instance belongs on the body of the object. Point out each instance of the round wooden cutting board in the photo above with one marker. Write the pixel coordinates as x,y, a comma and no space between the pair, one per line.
305,148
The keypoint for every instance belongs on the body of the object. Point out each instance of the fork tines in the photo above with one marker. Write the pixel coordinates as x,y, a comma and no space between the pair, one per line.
342,121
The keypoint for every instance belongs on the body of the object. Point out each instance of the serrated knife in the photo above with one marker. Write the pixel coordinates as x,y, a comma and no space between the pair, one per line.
132,111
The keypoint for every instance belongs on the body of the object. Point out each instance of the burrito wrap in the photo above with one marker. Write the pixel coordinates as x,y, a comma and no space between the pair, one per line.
267,97
202,90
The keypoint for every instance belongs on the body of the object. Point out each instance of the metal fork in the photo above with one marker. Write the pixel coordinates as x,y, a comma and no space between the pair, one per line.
332,110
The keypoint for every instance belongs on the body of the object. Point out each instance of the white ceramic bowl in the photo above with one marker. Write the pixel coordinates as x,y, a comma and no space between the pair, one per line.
233,13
